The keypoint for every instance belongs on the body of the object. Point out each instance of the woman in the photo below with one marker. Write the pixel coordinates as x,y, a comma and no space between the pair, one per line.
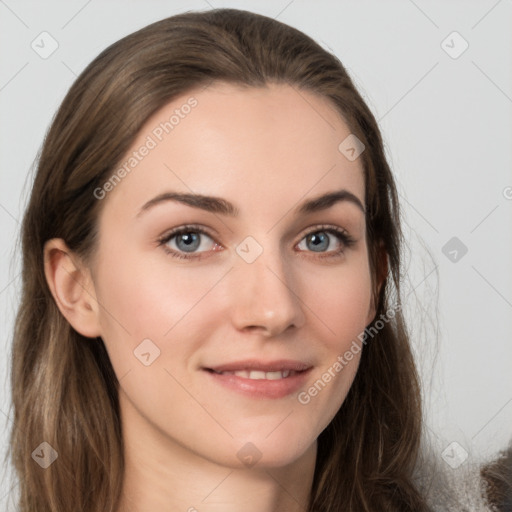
211,315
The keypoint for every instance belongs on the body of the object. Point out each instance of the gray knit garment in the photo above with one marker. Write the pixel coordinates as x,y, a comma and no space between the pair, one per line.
453,490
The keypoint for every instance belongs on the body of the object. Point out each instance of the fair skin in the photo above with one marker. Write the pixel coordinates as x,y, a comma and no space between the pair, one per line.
267,151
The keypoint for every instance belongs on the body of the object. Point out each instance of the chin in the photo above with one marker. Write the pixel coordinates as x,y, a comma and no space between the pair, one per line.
276,451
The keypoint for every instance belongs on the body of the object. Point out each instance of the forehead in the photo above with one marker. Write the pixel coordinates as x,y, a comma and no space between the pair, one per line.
272,144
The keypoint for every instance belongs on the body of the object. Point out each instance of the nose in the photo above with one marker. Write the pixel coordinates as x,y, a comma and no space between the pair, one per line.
264,296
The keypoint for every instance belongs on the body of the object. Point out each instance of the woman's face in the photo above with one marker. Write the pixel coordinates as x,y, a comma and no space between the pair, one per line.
227,337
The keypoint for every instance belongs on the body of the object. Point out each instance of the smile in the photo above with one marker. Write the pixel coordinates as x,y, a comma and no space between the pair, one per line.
260,375
262,382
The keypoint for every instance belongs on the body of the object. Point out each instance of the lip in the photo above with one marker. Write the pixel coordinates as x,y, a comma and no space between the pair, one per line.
261,388
279,365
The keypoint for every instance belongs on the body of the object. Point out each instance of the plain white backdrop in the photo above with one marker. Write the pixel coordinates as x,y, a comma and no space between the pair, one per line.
438,77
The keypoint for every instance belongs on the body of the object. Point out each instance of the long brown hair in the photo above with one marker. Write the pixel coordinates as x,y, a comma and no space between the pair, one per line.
64,389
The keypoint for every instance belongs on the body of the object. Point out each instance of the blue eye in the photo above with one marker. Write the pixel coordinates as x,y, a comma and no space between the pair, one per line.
318,241
187,241
323,240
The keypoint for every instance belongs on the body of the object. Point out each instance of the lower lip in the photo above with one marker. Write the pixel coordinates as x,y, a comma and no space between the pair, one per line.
261,388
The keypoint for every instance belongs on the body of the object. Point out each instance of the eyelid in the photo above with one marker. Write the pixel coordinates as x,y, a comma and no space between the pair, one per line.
330,228
184,229
323,227
344,237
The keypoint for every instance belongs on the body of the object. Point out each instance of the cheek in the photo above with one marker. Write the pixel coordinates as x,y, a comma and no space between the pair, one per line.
140,300
342,301
340,306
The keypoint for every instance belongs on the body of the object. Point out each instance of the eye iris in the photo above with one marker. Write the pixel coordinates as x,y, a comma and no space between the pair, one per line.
318,241
187,242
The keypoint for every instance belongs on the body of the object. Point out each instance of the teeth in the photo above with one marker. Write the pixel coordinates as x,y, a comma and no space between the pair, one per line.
259,375
274,375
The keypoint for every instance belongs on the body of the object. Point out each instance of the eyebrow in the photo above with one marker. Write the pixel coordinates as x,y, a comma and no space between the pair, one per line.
208,203
327,200
219,205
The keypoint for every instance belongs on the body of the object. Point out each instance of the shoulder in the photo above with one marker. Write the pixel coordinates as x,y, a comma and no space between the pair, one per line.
447,489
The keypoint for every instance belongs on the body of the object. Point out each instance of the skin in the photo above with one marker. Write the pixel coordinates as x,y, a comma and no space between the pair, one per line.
266,150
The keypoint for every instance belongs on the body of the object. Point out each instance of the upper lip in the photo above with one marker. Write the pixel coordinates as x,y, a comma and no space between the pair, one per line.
257,365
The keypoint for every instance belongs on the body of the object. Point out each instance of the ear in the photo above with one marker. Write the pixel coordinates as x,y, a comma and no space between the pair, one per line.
72,287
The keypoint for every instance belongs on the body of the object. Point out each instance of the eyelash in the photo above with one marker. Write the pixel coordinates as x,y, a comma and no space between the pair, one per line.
345,239
189,228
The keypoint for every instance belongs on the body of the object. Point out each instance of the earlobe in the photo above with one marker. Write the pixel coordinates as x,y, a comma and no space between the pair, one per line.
71,286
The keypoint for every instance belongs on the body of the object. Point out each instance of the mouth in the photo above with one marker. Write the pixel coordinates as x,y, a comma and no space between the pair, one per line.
258,379
258,374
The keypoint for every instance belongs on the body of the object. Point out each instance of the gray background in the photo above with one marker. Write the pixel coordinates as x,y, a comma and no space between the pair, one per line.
447,125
